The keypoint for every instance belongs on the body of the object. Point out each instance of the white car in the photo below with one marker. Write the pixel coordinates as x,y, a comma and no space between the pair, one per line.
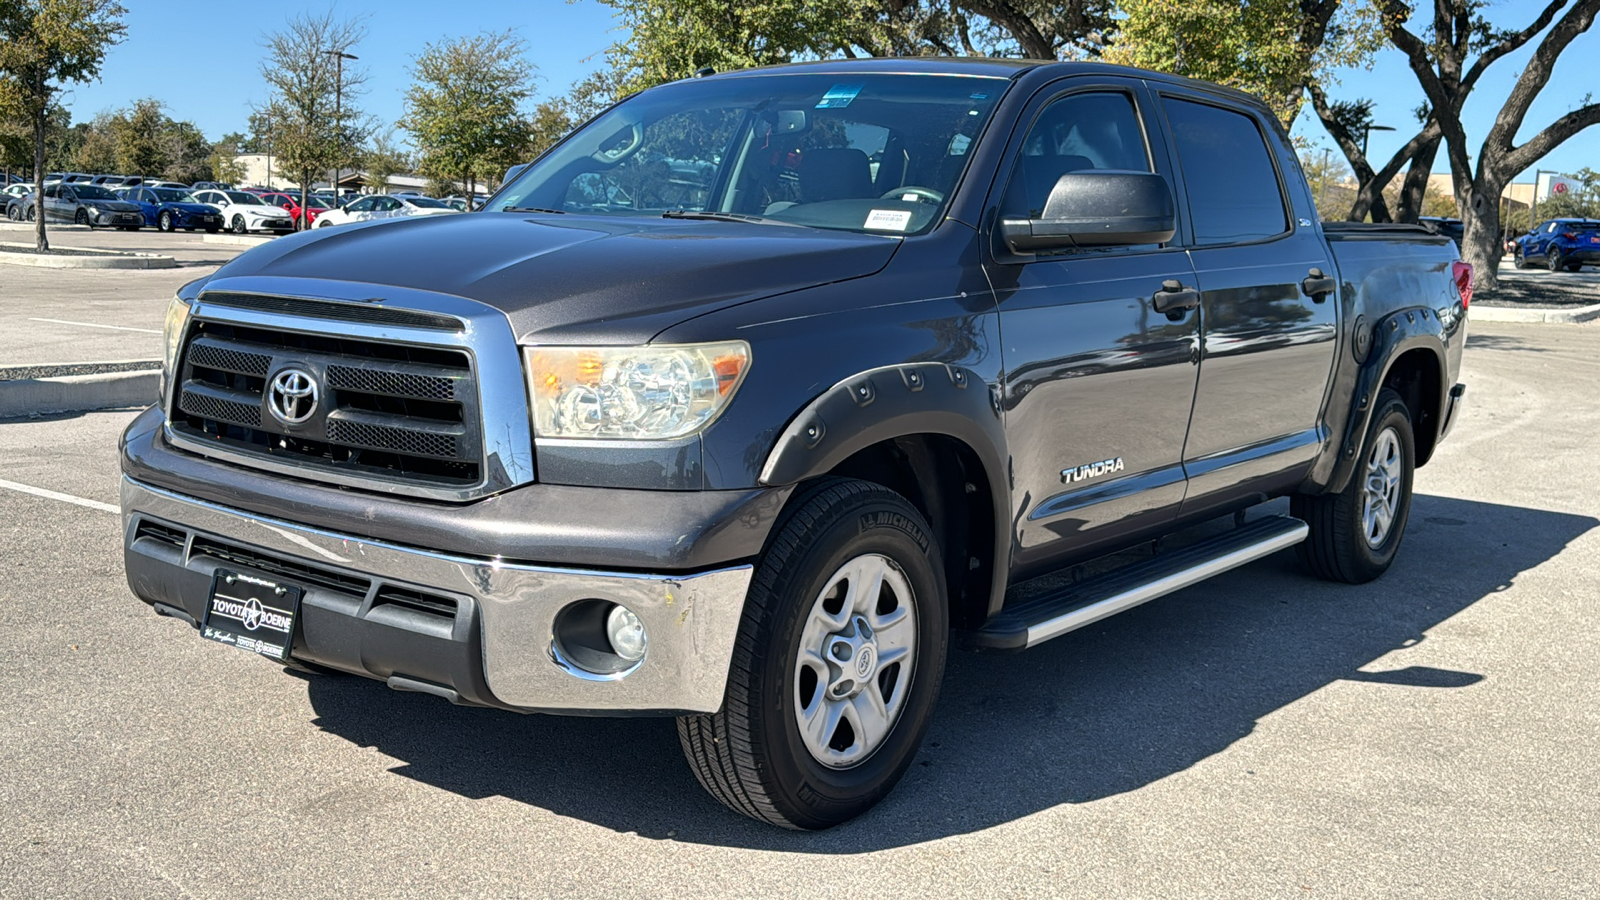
384,206
243,213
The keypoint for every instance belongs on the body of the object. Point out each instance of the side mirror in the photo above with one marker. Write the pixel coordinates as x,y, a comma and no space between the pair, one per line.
1098,208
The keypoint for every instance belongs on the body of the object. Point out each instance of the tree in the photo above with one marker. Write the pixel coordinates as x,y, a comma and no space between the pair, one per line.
45,44
383,160
224,160
139,136
1271,48
187,151
1439,57
671,39
315,123
1323,169
1347,122
465,108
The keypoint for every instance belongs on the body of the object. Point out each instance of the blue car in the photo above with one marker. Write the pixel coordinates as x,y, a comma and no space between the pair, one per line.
1560,244
169,209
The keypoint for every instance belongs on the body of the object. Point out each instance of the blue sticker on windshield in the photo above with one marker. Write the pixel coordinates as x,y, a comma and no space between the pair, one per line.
839,96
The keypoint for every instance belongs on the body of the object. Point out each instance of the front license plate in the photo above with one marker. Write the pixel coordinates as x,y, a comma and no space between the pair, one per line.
251,613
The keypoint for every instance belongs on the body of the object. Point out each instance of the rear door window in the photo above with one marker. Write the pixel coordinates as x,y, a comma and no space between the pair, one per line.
1234,195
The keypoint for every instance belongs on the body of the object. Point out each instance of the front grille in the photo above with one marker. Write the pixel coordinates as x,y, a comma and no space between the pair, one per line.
433,604
385,411
161,534
370,313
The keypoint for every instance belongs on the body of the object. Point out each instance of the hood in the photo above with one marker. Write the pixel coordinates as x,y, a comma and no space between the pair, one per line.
575,279
197,208
112,205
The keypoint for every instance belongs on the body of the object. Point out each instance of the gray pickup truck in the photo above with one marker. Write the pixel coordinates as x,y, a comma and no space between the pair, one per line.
761,390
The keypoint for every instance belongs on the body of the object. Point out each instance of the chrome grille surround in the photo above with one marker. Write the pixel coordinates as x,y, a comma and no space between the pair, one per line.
498,438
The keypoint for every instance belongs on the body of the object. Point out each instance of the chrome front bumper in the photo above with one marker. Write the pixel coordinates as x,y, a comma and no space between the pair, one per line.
691,620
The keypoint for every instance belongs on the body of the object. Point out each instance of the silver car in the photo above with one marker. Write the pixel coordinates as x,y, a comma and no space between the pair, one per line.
92,205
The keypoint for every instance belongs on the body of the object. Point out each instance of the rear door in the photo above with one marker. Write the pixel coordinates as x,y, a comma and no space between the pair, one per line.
1099,385
1268,347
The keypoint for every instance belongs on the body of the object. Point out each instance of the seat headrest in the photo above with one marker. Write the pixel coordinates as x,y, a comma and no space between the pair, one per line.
835,173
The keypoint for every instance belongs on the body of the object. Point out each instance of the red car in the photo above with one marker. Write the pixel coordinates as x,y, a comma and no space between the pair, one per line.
291,202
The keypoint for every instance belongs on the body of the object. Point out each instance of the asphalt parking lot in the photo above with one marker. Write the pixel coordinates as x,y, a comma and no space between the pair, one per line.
1261,735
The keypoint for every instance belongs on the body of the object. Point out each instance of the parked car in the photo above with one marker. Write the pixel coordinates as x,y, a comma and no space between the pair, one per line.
111,182
211,186
176,185
383,206
20,207
77,178
1568,244
90,204
290,200
1454,229
243,212
16,189
753,450
169,209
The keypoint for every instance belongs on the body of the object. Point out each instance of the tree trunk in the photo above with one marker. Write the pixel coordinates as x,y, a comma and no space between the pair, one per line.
40,242
1414,189
1480,245
1369,201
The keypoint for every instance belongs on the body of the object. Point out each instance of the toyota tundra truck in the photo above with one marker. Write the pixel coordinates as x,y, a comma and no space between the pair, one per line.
761,390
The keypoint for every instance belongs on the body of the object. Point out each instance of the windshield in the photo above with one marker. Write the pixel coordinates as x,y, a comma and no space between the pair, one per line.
425,202
93,192
860,153
173,195
243,199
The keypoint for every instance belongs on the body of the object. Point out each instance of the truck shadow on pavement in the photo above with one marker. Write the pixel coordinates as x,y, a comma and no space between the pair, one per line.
1103,711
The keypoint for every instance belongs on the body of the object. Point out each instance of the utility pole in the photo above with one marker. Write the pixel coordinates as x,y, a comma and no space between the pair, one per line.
339,57
1367,129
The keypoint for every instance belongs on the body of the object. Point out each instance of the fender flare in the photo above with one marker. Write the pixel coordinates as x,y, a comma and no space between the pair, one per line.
896,401
1392,337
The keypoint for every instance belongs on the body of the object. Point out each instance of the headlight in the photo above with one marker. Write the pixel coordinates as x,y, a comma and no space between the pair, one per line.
647,393
172,336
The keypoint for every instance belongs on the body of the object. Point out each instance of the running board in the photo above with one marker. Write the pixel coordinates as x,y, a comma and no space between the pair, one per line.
1105,595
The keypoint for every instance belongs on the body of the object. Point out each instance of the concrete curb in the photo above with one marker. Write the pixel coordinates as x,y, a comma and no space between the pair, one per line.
1542,316
8,225
78,258
75,393
237,240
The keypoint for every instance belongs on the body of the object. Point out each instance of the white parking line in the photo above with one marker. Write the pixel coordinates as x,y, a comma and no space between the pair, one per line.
52,495
98,325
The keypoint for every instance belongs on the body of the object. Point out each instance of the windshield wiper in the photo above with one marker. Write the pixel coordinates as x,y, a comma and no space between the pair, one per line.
535,209
715,216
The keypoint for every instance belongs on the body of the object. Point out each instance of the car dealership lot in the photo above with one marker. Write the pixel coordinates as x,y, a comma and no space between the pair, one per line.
1262,734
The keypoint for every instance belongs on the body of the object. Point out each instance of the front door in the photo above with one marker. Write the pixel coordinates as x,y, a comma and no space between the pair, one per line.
1268,346
1098,385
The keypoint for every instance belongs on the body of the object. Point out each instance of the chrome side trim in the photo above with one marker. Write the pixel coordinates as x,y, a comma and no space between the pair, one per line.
692,619
487,338
1085,615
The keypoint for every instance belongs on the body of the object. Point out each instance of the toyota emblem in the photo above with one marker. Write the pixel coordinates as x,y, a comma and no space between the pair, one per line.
292,396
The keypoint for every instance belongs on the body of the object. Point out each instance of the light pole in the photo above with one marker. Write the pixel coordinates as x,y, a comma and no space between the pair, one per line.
339,57
1367,129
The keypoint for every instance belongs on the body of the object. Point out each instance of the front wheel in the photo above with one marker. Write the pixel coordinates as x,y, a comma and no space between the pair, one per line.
837,664
82,218
164,222
1519,259
239,226
1356,533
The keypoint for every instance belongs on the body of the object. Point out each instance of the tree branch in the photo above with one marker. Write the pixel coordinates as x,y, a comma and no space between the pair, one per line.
1032,41
1520,158
1510,44
1536,75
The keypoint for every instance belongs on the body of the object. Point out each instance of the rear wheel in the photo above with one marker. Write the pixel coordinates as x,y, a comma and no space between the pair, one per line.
1356,533
1552,258
837,664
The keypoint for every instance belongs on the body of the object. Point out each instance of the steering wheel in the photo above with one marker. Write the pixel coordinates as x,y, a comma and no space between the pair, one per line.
913,192
622,150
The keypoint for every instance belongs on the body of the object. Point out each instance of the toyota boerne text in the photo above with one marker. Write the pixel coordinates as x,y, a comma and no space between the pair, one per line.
756,394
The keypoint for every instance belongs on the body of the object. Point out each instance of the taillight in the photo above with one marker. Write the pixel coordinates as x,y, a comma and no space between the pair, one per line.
1461,274
1570,235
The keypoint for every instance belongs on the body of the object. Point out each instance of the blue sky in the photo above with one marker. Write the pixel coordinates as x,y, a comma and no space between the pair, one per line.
162,58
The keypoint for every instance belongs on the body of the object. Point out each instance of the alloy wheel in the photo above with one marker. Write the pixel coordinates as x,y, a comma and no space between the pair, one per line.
857,654
1380,500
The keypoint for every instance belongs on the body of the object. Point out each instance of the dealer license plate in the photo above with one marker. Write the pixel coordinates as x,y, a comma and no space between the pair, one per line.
251,613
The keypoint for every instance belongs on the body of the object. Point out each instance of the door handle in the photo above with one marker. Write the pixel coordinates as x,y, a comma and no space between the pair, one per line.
1318,286
1174,299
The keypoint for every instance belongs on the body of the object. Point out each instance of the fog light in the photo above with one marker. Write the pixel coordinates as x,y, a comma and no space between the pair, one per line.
626,634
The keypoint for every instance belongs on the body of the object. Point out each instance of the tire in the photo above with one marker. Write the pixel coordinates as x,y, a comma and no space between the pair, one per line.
323,223
1340,546
82,218
32,214
213,229
751,755
1519,259
13,214
239,226
164,222
1552,258
1575,267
